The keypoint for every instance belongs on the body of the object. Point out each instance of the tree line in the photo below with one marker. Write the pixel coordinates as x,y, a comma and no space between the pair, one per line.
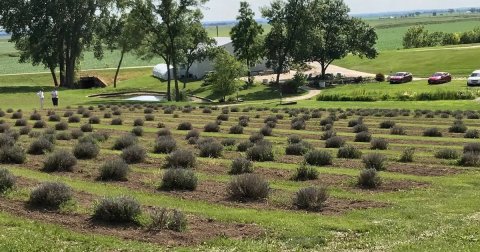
418,36
56,33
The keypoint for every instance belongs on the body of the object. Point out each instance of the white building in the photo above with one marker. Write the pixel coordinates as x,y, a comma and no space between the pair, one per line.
199,69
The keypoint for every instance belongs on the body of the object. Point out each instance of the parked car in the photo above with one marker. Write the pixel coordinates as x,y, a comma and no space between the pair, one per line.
474,79
401,77
440,78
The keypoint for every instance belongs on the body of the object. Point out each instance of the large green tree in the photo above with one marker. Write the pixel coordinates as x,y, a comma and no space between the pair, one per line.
227,71
246,38
282,43
332,34
52,33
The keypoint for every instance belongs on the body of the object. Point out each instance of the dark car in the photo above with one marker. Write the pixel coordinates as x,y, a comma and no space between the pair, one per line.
440,78
401,77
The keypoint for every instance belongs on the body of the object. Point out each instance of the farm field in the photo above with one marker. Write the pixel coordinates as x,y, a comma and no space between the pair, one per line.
399,210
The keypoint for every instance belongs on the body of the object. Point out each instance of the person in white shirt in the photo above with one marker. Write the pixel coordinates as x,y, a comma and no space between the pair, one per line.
42,97
55,97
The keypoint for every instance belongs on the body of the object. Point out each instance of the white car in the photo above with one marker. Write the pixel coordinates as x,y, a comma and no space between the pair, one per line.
474,79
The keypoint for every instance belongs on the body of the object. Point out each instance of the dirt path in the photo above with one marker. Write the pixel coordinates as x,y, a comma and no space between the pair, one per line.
311,93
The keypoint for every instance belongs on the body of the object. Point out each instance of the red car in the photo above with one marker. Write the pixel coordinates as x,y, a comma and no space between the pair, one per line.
401,77
440,78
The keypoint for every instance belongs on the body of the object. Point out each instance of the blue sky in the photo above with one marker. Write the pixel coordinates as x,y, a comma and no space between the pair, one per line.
217,10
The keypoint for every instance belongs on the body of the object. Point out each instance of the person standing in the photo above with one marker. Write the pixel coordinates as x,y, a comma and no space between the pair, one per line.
55,97
41,95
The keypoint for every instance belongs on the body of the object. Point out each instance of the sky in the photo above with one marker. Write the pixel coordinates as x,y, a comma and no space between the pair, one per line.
219,10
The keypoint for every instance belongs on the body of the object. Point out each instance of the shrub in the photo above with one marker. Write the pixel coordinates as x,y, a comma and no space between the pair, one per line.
236,129
64,136
256,137
407,155
470,159
375,161
294,139
369,179
148,111
25,130
353,123
349,152
244,146
74,119
40,124
360,128
432,132
61,126
117,210
181,158
117,121
86,127
447,154
380,77
363,137
21,122
379,144
458,127
241,166
266,131
17,115
248,187
60,160
94,120
164,132
298,124
86,150
472,134
397,130
164,144
192,133
12,155
222,117
51,195
229,142
54,118
318,158
163,219
243,123
107,115
134,154
328,134
311,198
137,131
36,117
211,149
179,179
298,149
76,133
304,173
7,180
40,146
184,126
149,118
261,152
387,124
116,169
124,142
86,114
472,147
212,127
334,142
6,140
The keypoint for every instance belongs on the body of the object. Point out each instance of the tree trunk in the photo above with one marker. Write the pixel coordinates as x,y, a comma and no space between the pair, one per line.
186,77
169,81
324,69
177,91
118,69
54,76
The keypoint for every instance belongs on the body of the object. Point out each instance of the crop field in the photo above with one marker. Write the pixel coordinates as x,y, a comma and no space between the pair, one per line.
422,202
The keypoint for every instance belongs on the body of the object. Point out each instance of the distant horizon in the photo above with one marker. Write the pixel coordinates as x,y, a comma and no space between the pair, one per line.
227,10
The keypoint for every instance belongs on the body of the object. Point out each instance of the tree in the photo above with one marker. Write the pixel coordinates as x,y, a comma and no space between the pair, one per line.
247,43
198,45
288,22
227,71
52,33
166,22
119,32
332,34
415,37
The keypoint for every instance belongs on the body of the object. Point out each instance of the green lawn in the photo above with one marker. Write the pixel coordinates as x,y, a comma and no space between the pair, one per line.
460,62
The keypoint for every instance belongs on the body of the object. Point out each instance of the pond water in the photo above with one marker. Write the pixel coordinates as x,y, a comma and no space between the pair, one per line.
146,98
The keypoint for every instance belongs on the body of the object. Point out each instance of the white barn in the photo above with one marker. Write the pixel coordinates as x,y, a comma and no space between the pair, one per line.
199,69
